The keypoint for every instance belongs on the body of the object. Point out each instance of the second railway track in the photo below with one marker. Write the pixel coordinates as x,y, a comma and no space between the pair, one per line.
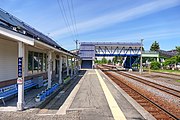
153,84
163,88
156,110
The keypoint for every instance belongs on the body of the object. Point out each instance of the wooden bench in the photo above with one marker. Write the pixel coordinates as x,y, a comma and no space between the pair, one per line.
8,91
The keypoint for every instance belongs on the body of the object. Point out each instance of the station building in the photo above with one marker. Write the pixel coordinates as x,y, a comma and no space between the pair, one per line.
39,55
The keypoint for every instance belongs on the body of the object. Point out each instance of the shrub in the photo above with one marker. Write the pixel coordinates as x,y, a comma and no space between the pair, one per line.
155,65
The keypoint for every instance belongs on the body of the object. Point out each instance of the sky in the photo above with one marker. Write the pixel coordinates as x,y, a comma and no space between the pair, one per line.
102,20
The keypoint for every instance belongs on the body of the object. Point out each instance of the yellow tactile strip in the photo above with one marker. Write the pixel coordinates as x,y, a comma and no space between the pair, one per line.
115,110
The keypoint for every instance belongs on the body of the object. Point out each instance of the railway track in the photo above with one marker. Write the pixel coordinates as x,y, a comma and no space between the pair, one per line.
156,110
163,88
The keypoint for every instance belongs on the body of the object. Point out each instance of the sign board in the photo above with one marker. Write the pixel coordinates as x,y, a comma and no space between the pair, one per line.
20,67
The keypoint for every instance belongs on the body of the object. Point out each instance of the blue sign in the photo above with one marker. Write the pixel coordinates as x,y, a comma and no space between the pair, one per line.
20,67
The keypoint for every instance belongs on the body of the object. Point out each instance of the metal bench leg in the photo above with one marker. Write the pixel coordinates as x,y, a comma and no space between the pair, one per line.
3,102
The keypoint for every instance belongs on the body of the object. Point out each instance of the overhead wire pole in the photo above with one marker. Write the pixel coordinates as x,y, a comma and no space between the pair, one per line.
76,41
140,70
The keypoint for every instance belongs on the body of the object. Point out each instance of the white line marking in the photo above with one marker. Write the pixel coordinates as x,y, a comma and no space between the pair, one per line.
115,110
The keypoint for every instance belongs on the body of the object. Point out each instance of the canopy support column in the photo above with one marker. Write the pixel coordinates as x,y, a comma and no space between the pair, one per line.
60,70
20,80
49,68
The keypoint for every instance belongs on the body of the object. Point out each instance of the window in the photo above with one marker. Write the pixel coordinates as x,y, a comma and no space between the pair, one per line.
36,62
30,62
45,62
40,65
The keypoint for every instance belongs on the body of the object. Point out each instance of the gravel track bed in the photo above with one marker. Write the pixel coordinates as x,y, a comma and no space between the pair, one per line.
169,102
158,82
160,77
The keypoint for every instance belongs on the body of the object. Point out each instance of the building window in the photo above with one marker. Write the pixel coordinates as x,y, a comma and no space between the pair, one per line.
44,62
30,62
36,62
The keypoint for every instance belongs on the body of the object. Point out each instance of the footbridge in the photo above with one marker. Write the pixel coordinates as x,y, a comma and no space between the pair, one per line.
90,50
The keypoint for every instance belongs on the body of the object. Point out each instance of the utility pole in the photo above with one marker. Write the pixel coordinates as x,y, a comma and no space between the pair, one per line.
140,69
76,41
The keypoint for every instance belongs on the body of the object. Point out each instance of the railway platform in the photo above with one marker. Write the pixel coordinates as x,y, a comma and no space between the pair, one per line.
90,96
96,97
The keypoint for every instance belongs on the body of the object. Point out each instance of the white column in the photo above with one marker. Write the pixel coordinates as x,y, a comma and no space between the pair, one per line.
92,64
49,68
71,68
60,69
67,65
157,59
140,69
74,65
20,80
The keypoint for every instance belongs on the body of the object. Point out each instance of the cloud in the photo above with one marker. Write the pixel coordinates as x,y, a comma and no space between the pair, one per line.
119,16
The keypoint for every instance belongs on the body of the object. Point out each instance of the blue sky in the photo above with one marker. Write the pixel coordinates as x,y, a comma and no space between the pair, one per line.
103,20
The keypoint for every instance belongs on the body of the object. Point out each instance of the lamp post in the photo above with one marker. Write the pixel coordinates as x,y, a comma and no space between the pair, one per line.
140,70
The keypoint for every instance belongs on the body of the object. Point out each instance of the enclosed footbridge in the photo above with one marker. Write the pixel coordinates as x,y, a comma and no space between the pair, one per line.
90,50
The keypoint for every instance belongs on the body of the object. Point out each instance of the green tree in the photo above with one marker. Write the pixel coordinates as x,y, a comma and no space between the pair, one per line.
109,61
155,46
143,49
104,60
115,59
155,65
173,60
178,49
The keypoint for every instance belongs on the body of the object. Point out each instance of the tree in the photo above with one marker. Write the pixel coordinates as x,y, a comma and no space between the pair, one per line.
115,59
109,61
155,65
155,46
104,60
178,49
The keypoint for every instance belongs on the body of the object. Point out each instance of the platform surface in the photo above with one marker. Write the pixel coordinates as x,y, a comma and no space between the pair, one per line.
92,102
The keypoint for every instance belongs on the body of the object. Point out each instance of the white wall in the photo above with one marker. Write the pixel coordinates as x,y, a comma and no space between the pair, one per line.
8,59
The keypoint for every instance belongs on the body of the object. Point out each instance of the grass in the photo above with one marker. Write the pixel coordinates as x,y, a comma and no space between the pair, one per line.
67,79
169,71
177,80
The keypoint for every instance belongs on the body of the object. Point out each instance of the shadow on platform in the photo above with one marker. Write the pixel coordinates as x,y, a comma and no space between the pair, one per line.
53,99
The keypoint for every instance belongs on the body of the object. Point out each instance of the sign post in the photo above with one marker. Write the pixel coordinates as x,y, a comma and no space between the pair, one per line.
20,79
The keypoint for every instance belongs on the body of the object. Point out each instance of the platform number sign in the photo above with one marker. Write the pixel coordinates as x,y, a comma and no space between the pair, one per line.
20,67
